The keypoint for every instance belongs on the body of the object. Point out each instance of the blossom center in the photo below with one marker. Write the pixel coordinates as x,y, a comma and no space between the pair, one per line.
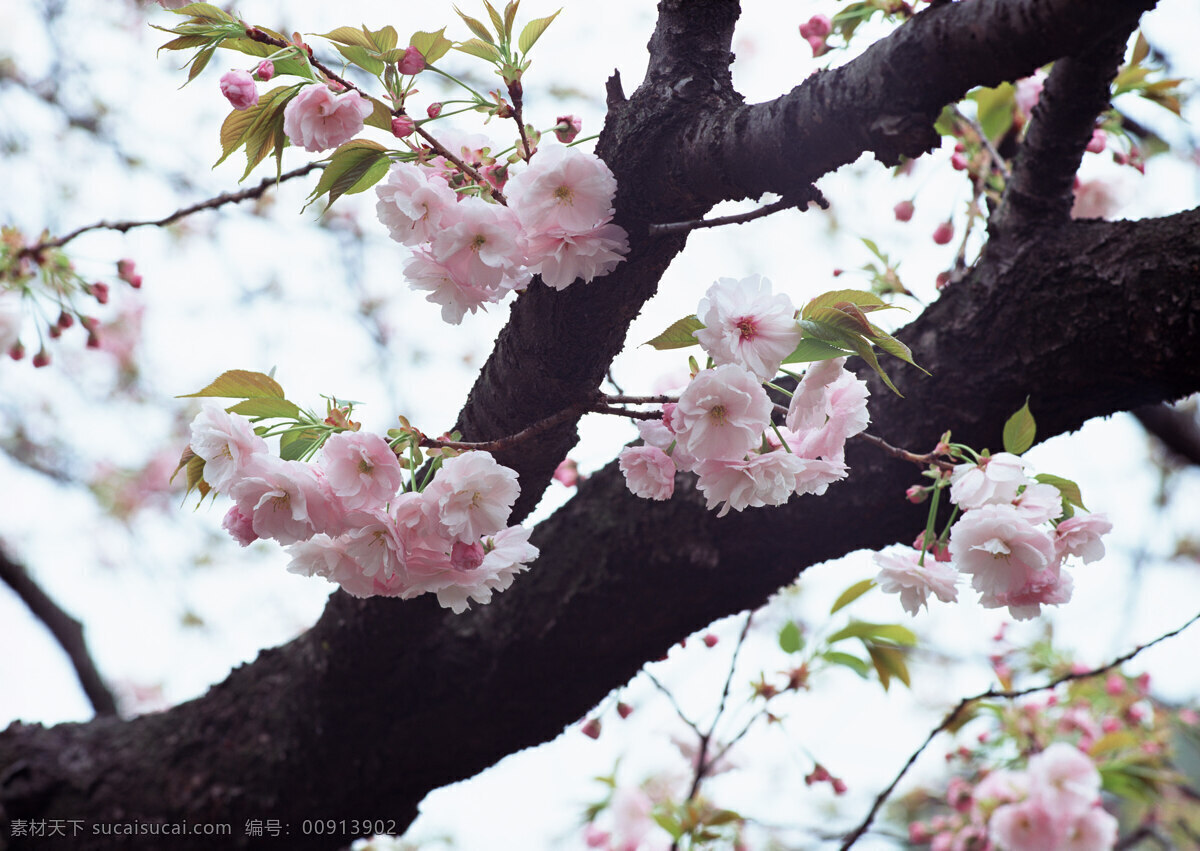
747,327
364,467
996,547
564,195
717,414
478,242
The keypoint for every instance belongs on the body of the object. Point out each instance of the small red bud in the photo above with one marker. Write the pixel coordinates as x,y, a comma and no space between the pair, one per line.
1098,142
568,128
433,110
916,495
591,728
412,62
837,272
91,323
55,332
403,126
65,320
710,640
17,352
839,786
99,292
93,341
903,211
942,281
959,162
42,358
265,70
624,709
943,233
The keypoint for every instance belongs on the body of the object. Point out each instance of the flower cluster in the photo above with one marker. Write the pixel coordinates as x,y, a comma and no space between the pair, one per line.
316,119
350,519
1053,805
721,427
468,251
1012,540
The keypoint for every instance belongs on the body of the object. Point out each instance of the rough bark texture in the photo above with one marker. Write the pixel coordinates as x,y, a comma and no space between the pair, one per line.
382,701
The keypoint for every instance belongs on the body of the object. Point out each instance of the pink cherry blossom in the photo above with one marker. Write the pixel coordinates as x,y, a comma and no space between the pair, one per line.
1095,830
484,245
721,414
767,479
658,433
1001,550
562,257
1063,779
287,500
567,473
1051,587
1001,786
1080,536
226,442
745,324
828,407
412,62
361,468
457,296
649,472
239,89
472,495
316,119
374,545
995,479
327,558
415,203
567,127
239,526
1026,826
1039,503
900,573
565,189
506,554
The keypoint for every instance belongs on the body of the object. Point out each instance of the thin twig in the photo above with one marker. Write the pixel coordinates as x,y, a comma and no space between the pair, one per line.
963,704
211,204
904,454
738,218
674,703
67,631
625,412
702,764
502,443
622,399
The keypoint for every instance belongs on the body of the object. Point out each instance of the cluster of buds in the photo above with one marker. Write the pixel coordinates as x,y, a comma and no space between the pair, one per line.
816,32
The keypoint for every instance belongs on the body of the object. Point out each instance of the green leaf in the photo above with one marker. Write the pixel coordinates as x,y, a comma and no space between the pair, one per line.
811,349
847,660
200,60
851,594
863,349
668,821
354,167
433,46
790,638
482,49
349,36
184,42
889,662
476,26
259,126
894,347
994,109
380,116
299,444
240,384
362,57
384,39
946,122
856,297
1020,430
1069,489
205,11
533,31
510,16
265,408
678,335
497,21
893,633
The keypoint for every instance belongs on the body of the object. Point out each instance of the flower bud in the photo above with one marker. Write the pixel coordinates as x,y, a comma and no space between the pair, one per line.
433,110
903,211
916,495
1098,142
710,640
568,128
958,162
943,233
817,43
99,292
817,26
412,62
265,70
591,728
239,89
42,358
403,126
624,709
466,556
65,320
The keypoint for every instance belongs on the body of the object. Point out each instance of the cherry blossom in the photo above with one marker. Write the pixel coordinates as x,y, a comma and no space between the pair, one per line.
828,407
1001,549
994,479
901,573
361,468
239,526
563,189
472,495
746,325
286,500
483,245
327,558
415,203
1039,503
649,472
239,89
562,257
226,442
767,479
316,119
721,414
456,296
1080,536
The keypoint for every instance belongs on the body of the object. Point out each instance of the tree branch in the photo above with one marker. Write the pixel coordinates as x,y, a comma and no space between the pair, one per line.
67,631
1177,430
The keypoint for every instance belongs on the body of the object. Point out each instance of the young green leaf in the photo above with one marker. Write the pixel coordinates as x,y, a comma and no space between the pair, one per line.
1019,431
851,594
678,335
790,638
204,11
497,21
354,167
349,36
384,39
811,349
482,49
240,384
363,57
433,46
847,660
476,26
297,445
533,31
1069,489
861,298
265,408
510,16
888,662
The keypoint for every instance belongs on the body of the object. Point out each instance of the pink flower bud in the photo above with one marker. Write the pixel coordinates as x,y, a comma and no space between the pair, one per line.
265,70
1098,142
916,495
568,128
818,26
1114,685
93,340
624,709
99,292
89,322
433,110
403,126
1110,725
903,211
239,89
42,358
591,728
959,162
942,280
567,473
55,332
65,320
943,233
125,268
466,556
839,786
918,834
817,43
710,640
17,352
412,62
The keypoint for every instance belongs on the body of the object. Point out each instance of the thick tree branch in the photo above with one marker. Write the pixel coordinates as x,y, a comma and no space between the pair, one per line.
67,631
405,697
1177,430
1041,189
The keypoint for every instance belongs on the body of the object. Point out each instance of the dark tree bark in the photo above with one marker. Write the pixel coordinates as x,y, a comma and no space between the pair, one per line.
382,701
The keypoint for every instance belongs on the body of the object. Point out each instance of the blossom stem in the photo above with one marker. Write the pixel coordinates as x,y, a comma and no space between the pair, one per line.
904,454
740,218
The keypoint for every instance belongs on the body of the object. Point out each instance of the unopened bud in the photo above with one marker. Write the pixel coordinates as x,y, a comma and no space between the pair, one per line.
265,70
624,709
943,233
916,495
568,128
903,211
433,110
839,786
403,126
1098,142
65,320
591,728
412,62
42,358
817,26
710,640
99,292
17,352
